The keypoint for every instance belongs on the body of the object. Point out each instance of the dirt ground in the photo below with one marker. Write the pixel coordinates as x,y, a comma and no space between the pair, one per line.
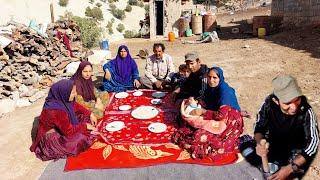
249,70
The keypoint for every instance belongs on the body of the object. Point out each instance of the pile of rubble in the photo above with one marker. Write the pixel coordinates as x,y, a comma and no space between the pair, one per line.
32,61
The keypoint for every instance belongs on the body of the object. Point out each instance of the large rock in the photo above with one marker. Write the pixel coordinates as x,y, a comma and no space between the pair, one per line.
23,102
23,89
7,105
36,96
72,67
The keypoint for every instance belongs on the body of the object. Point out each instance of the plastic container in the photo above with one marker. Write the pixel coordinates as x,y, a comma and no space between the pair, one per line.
196,24
261,32
189,32
104,44
209,22
171,36
183,26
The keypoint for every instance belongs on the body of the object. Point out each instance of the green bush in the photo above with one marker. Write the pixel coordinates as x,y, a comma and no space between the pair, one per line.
63,3
120,27
118,13
109,27
128,8
98,5
91,1
104,1
95,13
88,12
130,34
112,6
133,2
147,8
67,15
112,20
140,4
90,32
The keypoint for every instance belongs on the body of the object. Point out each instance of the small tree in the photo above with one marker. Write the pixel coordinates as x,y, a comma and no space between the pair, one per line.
130,34
67,15
63,3
104,1
118,13
133,2
140,4
91,1
120,27
128,8
147,8
88,12
112,6
90,32
98,5
95,13
109,27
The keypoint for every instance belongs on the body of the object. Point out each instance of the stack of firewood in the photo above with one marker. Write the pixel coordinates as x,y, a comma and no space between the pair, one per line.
34,60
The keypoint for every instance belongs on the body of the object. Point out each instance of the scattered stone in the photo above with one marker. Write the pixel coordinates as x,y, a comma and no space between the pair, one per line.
29,93
36,96
72,67
15,95
23,89
23,102
7,105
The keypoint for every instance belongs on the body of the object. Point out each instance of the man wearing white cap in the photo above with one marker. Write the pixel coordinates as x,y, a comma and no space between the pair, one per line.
289,125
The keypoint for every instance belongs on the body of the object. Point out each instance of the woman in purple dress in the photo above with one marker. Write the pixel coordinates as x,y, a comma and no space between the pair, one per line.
63,124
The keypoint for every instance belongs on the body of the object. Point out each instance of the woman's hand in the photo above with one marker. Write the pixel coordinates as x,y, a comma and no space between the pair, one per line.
136,83
90,127
158,84
107,75
93,119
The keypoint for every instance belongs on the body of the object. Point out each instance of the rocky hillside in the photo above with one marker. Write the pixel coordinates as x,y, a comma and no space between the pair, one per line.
23,11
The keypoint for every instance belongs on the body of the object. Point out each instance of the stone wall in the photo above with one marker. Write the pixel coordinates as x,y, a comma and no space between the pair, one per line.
297,12
172,13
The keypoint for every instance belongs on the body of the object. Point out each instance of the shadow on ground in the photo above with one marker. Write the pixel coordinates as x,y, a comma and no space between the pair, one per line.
34,129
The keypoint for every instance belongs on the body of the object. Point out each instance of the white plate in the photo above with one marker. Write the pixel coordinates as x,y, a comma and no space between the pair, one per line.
158,94
121,95
115,126
145,112
156,101
157,127
124,107
137,93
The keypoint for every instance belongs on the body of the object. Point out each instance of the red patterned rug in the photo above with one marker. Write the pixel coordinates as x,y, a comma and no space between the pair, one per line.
135,145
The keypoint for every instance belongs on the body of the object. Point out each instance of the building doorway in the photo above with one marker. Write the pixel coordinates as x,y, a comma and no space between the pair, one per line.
159,17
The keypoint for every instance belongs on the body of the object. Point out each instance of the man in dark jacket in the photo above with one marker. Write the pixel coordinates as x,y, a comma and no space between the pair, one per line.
289,125
196,83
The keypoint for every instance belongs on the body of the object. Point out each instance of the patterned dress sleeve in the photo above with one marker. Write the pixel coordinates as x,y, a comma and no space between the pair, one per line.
62,122
79,109
231,117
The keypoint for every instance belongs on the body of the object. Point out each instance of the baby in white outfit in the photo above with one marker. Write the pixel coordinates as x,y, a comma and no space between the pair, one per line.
192,105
